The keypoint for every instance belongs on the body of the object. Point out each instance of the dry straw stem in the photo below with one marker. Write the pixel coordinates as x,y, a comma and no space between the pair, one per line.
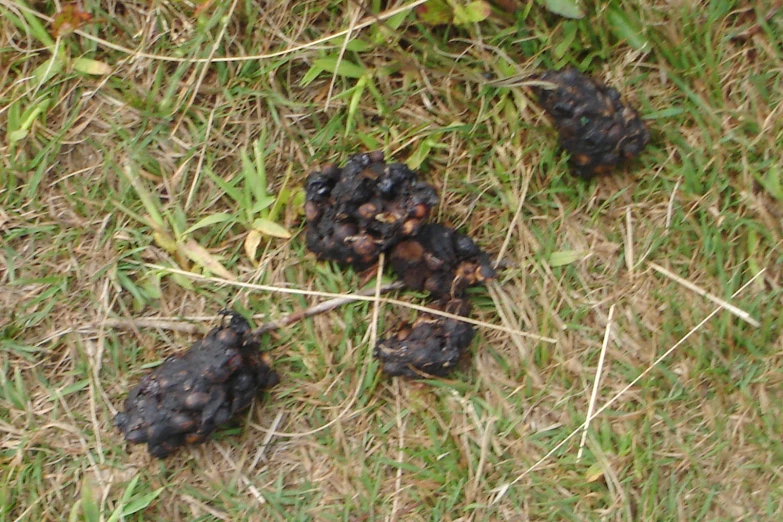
370,20
501,491
742,314
355,297
320,308
596,381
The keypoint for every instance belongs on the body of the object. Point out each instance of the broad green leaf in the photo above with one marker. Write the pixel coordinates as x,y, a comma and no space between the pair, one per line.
208,221
569,34
472,13
663,113
594,473
165,241
145,196
252,241
89,66
182,281
262,204
17,135
297,200
342,67
270,228
566,8
72,388
356,45
396,21
624,29
126,496
434,12
310,75
201,256
76,512
230,190
565,257
47,70
353,105
90,508
34,25
141,502
21,123
260,179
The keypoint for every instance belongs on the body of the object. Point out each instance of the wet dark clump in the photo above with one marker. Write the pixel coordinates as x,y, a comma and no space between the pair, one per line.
190,395
357,212
442,261
594,126
431,346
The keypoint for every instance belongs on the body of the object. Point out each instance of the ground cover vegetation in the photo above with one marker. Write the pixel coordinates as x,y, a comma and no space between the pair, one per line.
153,156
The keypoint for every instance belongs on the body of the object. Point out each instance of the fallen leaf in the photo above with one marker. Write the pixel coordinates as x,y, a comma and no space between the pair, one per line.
566,8
94,67
201,256
594,473
252,241
434,12
565,257
270,228
472,13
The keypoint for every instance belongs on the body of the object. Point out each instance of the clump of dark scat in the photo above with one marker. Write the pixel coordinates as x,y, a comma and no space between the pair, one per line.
441,261
187,397
357,212
431,346
369,207
594,125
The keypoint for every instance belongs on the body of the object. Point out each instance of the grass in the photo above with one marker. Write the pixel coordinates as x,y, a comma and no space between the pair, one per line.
106,172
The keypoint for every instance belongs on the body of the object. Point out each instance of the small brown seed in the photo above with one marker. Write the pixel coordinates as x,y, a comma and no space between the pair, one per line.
403,333
375,156
410,226
410,251
421,210
364,245
370,174
196,400
368,210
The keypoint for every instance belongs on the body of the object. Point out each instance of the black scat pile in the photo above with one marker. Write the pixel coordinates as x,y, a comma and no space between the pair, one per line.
594,125
190,395
356,212
431,346
442,261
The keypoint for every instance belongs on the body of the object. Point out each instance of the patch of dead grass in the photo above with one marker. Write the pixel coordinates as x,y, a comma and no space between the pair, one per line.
698,436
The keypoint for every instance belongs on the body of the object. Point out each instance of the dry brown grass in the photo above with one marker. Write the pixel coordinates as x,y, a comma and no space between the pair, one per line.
697,438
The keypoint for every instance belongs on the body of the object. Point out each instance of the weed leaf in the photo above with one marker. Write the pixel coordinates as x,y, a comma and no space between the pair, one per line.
566,8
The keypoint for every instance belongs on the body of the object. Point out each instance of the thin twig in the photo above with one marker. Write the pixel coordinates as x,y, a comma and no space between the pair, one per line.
326,306
320,308
357,297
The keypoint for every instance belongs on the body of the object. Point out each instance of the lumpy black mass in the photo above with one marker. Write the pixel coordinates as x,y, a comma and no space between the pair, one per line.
187,397
356,212
431,346
593,124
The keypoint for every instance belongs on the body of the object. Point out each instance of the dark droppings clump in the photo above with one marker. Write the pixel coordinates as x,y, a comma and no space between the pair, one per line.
357,212
442,261
594,125
191,394
431,346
